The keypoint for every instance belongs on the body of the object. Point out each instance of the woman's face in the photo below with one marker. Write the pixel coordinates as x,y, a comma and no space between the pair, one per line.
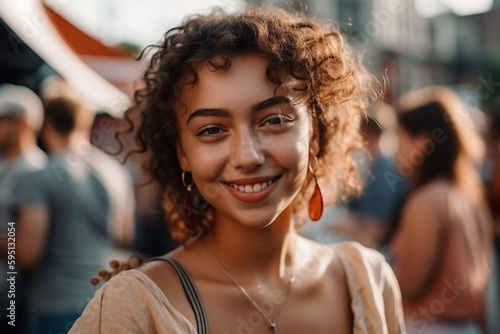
246,144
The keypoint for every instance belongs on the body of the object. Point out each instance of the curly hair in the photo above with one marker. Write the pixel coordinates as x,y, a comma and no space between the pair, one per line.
309,58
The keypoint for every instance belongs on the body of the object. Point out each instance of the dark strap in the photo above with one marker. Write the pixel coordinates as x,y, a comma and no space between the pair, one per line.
191,293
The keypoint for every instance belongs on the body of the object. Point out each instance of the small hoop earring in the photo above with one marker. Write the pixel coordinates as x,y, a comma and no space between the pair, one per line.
188,208
189,187
315,208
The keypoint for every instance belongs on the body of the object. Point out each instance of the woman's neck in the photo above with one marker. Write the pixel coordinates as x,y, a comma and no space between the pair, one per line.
256,252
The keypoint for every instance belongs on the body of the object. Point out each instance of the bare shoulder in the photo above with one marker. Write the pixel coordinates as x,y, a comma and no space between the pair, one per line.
164,275
324,260
160,272
431,192
425,210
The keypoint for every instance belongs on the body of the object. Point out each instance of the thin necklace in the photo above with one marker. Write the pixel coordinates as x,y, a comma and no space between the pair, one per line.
272,323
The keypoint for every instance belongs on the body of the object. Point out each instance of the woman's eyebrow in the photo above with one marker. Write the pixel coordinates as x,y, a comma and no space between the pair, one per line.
208,112
219,112
270,103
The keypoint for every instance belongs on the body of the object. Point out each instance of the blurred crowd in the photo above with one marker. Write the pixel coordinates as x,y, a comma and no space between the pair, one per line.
67,205
431,204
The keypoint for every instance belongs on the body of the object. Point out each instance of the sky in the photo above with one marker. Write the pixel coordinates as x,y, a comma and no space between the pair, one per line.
140,22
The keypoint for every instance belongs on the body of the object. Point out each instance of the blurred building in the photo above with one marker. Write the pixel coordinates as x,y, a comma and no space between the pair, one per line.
114,63
413,48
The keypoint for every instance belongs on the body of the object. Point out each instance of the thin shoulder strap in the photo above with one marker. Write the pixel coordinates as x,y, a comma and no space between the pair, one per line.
191,293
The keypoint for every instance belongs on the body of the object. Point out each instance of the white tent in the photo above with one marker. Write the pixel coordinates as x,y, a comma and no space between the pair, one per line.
29,20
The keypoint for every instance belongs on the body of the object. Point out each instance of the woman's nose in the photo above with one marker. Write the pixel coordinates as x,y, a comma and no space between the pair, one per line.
248,151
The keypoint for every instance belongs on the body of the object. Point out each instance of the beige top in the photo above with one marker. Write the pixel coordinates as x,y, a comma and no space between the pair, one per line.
132,303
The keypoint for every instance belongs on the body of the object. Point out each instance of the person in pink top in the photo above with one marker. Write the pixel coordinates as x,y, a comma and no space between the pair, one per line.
443,243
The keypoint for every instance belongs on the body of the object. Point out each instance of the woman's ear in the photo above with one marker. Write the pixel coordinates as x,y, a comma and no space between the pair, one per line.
181,156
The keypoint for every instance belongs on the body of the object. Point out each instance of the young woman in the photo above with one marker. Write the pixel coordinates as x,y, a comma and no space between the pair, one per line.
244,114
444,239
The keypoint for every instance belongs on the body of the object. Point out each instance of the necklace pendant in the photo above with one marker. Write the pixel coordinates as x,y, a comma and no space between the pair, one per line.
273,325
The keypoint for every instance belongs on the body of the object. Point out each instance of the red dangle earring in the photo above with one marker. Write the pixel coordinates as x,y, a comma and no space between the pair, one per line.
187,209
315,207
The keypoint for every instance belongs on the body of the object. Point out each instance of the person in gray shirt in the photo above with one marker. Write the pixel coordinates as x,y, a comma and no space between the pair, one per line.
21,117
72,213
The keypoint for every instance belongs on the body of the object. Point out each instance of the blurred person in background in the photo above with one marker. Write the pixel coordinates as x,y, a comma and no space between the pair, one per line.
151,235
21,117
443,245
369,218
70,213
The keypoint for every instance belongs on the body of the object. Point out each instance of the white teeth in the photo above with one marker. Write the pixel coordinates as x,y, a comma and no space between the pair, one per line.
252,189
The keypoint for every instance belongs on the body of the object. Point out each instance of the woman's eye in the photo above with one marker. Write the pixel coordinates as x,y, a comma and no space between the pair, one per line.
209,131
277,120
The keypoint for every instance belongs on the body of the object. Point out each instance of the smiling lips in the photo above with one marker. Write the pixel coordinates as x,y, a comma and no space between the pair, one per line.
251,188
245,191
